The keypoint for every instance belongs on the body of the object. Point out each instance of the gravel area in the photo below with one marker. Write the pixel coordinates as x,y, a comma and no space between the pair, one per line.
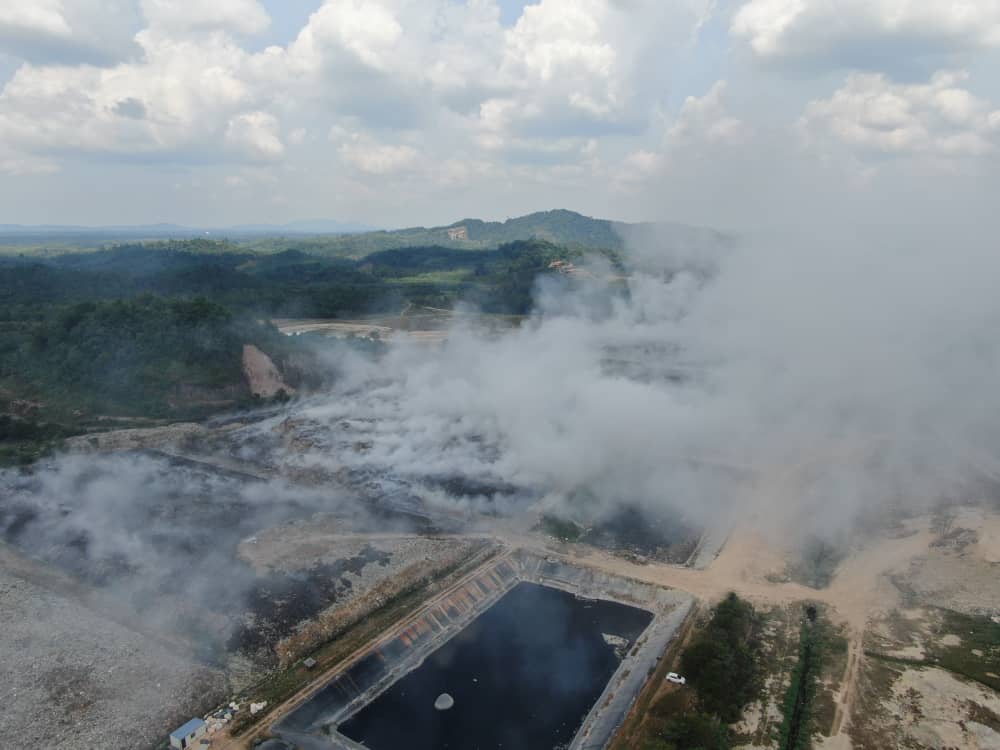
74,679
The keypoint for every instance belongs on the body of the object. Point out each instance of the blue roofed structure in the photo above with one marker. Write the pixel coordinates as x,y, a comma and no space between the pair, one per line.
185,735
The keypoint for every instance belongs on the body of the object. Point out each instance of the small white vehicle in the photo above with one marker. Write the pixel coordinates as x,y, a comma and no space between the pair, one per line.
676,678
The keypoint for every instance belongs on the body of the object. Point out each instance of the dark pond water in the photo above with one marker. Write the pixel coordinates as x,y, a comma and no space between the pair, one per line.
523,676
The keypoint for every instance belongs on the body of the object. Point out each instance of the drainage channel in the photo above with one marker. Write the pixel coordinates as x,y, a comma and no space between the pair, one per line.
797,736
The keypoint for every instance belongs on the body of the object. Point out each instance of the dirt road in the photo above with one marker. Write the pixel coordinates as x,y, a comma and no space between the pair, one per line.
748,565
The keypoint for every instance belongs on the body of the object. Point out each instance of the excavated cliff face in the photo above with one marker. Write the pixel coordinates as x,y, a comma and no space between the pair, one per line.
263,377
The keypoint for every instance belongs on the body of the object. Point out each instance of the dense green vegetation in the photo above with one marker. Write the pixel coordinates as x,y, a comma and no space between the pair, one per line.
157,330
690,731
289,284
560,528
720,662
719,665
145,355
797,708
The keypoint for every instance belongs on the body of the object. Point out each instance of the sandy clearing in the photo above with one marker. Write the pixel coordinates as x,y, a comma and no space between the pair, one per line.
988,546
936,706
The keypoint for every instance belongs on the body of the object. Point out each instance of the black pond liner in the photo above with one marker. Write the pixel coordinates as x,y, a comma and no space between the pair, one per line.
524,674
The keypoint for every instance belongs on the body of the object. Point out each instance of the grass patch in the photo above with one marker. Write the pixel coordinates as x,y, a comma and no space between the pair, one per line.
455,276
977,657
562,529
978,633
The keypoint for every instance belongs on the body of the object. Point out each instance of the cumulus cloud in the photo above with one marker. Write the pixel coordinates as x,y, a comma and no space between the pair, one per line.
861,33
375,158
703,125
707,119
583,96
67,31
255,134
181,95
871,115
179,16
587,68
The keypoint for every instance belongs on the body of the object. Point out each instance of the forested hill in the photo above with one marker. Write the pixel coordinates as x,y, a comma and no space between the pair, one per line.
158,330
560,227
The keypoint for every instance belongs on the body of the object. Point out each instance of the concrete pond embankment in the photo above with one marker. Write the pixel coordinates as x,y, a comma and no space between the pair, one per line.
313,725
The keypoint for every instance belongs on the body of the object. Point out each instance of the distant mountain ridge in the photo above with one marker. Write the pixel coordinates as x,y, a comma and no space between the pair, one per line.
178,231
354,241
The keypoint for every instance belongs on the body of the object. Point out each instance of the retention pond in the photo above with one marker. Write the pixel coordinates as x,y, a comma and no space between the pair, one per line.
524,674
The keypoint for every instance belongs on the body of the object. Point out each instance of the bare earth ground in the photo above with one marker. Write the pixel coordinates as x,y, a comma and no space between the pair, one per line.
74,679
897,574
79,673
863,592
262,376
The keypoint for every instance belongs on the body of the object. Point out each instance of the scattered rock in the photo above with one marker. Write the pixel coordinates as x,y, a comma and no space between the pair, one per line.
444,702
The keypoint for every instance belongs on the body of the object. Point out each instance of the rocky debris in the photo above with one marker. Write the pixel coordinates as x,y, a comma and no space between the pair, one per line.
619,644
137,438
74,680
444,702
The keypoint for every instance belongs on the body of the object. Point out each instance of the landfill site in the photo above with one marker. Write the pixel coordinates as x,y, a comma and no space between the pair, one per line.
217,617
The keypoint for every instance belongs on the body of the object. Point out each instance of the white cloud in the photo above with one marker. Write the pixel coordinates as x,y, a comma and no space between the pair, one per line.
180,95
239,16
42,17
67,31
857,33
872,116
587,67
365,31
255,134
537,93
374,158
703,125
707,119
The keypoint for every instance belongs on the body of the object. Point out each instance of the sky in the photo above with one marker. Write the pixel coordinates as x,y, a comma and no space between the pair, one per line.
738,114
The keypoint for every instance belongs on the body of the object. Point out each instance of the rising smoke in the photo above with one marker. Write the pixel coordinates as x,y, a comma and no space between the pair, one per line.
805,381
799,383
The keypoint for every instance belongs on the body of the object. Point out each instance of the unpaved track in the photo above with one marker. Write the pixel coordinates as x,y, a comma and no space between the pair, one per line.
859,591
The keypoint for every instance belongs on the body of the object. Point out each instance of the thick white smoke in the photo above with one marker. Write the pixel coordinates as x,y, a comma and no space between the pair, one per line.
803,380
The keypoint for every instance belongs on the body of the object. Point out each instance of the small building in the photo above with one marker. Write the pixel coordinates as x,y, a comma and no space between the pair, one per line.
309,663
188,734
